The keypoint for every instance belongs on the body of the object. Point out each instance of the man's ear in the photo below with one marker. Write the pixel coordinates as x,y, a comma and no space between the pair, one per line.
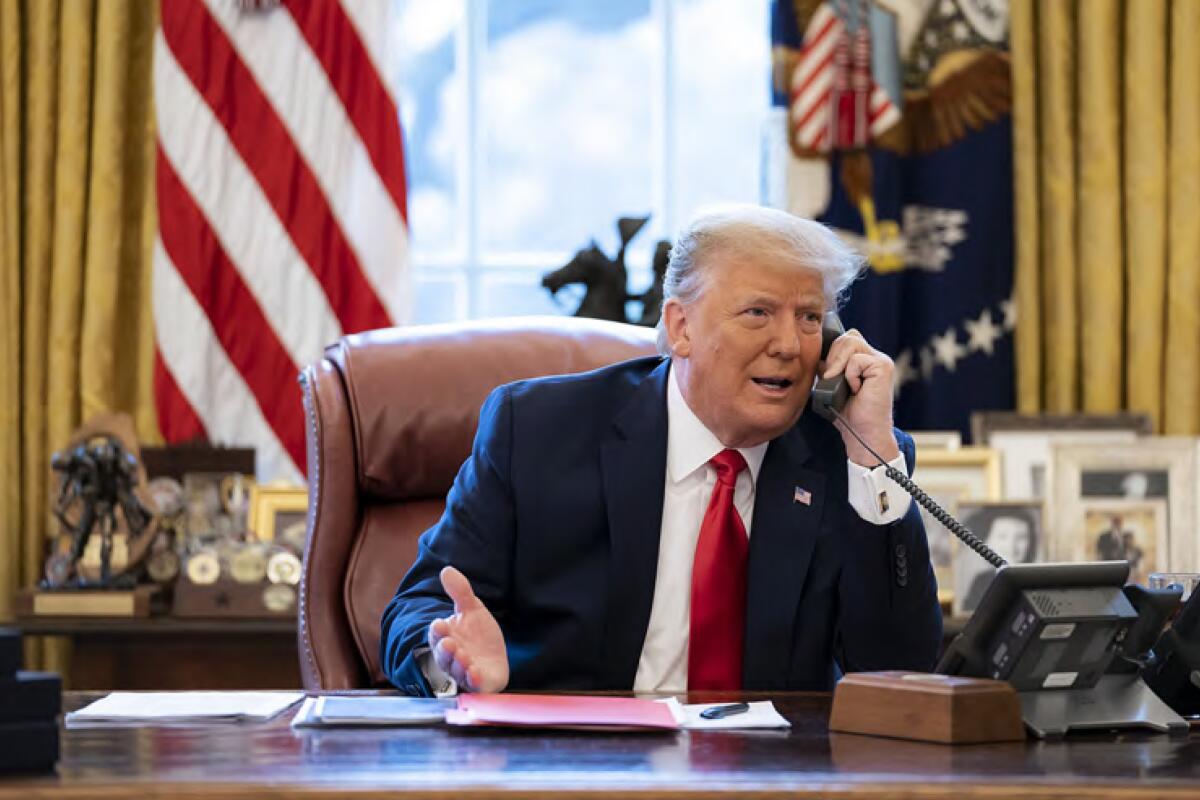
675,322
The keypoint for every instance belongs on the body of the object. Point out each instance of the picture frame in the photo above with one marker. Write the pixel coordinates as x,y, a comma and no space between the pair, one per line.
1074,465
936,440
204,518
276,508
940,540
1024,442
951,477
986,423
1132,530
975,469
1014,530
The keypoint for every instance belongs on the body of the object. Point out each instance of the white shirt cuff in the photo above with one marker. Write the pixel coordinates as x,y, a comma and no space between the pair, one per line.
877,498
442,684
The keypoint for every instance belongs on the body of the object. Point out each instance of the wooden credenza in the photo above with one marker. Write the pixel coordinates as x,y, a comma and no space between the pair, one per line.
174,653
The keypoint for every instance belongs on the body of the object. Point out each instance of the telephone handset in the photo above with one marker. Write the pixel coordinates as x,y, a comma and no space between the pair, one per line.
830,394
829,397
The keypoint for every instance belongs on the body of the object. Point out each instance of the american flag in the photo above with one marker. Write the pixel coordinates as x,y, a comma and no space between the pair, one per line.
281,206
802,496
824,74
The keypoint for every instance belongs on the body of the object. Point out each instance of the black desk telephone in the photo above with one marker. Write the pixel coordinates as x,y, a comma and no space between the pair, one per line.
1110,698
1005,638
829,397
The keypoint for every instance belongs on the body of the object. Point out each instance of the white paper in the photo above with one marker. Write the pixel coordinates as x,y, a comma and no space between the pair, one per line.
182,708
333,711
306,715
762,714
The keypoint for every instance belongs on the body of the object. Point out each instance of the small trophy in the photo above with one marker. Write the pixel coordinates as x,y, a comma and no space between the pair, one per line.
97,481
107,522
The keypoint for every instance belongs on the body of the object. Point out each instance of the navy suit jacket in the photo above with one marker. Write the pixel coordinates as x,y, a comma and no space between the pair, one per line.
555,519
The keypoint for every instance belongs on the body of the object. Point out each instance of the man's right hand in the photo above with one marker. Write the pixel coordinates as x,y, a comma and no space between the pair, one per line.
469,646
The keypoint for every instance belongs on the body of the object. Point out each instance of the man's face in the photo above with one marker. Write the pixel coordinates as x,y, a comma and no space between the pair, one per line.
1010,539
746,349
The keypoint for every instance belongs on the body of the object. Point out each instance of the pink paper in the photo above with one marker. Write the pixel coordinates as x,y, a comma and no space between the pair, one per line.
540,710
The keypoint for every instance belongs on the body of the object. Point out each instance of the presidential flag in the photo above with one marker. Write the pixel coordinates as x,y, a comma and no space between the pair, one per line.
899,137
281,206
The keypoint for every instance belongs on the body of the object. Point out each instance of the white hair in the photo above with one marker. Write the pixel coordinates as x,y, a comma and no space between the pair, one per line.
762,233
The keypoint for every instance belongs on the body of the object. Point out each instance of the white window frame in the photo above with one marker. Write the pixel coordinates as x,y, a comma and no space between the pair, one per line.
470,263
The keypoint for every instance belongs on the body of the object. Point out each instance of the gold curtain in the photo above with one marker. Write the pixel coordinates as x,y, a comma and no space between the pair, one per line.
1106,135
76,234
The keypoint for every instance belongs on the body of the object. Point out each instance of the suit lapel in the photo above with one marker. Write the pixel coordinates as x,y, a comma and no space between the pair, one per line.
634,466
783,534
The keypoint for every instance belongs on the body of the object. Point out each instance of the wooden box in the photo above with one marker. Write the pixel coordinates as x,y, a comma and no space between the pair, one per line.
227,598
140,601
927,707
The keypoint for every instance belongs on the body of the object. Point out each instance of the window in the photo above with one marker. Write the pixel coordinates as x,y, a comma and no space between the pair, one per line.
531,125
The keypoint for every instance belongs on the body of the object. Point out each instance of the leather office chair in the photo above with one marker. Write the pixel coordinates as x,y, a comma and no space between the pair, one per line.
390,418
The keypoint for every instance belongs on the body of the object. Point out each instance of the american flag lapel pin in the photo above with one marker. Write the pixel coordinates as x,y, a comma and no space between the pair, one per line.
802,496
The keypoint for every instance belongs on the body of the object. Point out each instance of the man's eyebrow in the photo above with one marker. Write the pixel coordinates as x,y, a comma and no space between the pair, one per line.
768,299
760,299
813,300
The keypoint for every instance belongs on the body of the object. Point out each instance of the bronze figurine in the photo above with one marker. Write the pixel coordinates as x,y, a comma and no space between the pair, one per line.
605,278
98,477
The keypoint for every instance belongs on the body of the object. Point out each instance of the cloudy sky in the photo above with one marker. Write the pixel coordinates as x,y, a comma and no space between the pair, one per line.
573,127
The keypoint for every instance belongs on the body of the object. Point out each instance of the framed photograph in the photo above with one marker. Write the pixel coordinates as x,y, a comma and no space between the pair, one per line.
941,541
276,510
1024,442
936,440
1157,469
1126,530
204,517
1135,484
1012,530
975,471
951,477
986,423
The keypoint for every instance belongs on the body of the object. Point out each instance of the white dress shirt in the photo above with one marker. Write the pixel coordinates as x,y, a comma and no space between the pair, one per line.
686,493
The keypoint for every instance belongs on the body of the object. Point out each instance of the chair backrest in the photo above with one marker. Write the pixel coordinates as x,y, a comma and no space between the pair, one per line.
391,415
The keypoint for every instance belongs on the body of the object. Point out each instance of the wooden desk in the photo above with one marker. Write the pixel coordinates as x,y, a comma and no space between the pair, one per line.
175,653
272,761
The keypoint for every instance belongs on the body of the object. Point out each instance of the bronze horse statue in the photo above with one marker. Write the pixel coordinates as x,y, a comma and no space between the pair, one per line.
605,278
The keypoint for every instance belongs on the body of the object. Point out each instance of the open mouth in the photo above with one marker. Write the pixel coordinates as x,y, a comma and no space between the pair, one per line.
774,383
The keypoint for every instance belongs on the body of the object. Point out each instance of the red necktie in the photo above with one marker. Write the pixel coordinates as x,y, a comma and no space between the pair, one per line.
719,585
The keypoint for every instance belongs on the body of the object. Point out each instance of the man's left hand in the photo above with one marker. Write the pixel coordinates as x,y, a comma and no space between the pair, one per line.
870,375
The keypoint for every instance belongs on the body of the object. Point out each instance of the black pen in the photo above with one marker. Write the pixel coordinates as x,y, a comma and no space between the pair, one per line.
721,712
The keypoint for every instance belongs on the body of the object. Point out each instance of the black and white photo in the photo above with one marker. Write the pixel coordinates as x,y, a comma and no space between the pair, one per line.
1012,530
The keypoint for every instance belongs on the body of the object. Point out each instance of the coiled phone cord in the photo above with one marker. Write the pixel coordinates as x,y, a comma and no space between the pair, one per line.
940,514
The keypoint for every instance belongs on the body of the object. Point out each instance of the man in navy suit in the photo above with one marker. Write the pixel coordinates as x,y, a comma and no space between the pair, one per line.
683,522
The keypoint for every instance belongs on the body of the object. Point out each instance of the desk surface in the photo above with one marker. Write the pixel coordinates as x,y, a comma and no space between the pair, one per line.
271,760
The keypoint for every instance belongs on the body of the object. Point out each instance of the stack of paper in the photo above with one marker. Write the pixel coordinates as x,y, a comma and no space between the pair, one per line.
522,710
334,711
182,708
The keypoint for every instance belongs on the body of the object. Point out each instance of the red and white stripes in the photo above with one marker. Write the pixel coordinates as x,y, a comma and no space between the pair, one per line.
813,118
281,198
